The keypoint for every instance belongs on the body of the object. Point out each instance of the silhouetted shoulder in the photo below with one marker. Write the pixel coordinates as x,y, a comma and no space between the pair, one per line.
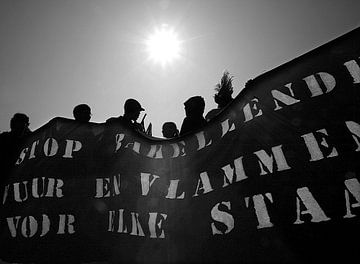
4,136
112,120
212,113
119,120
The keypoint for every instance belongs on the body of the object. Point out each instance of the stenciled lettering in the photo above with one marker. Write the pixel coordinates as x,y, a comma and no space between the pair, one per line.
261,210
172,190
353,187
354,70
284,98
202,141
118,224
268,160
71,146
232,175
203,184
227,127
354,128
312,206
314,86
314,148
155,152
35,188
252,110
222,217
50,148
146,183
108,187
30,226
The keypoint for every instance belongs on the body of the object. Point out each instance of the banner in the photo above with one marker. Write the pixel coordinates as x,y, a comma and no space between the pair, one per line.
274,178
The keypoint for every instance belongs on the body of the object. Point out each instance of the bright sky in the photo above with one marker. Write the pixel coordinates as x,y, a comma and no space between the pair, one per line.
56,54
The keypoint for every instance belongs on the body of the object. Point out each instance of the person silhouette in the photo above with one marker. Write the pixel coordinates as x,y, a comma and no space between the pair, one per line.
223,95
82,113
132,109
194,110
169,130
11,143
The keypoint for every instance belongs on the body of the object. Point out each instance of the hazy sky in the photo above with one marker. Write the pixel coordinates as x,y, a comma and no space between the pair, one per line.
55,54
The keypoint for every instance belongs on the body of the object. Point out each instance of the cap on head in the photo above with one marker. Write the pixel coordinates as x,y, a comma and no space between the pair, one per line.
131,105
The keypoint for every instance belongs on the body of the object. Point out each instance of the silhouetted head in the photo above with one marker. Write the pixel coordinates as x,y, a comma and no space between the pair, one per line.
132,109
19,124
223,99
82,113
169,130
194,106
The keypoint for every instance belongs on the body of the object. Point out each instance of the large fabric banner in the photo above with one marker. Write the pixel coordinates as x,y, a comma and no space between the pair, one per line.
274,178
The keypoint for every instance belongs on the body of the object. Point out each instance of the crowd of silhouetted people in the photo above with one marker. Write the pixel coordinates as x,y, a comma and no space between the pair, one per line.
194,112
11,141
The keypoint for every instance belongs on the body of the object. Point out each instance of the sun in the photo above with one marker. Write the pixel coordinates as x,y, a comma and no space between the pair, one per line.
163,45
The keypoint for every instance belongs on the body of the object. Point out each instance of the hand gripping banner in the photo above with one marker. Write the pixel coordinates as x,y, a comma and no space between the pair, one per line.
274,178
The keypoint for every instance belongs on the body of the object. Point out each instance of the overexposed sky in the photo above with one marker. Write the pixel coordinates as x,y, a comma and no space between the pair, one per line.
55,54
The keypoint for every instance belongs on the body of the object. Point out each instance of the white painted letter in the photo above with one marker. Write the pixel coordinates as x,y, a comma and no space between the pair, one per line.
314,148
225,127
284,98
354,70
145,182
6,192
205,182
13,223
22,156
71,146
29,221
52,149
45,225
35,187
111,221
202,140
136,227
102,187
179,149
122,227
353,186
230,174
155,152
172,190
261,210
268,160
17,191
152,225
32,151
314,87
312,206
222,217
355,130
54,187
118,138
69,225
248,110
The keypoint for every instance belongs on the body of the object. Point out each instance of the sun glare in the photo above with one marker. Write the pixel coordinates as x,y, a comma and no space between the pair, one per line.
163,46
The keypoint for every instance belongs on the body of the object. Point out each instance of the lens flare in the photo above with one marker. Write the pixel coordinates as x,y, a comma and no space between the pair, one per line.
163,46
